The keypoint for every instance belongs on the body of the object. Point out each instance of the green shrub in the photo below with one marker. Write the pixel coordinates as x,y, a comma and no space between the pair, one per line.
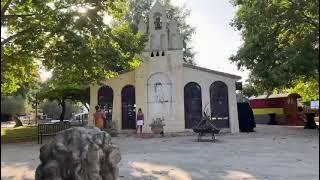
53,110
14,105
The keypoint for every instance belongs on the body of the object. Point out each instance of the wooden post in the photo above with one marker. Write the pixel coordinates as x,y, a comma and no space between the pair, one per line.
36,108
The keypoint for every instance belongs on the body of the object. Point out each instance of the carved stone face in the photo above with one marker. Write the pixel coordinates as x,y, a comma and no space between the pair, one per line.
158,87
159,96
159,92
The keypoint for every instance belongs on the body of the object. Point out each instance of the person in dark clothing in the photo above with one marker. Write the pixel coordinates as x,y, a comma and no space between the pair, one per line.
301,116
246,117
307,119
106,120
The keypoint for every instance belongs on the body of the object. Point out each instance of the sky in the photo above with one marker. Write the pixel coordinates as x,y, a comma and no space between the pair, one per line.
215,40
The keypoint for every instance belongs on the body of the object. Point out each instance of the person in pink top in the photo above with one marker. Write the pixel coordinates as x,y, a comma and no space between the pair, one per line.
140,120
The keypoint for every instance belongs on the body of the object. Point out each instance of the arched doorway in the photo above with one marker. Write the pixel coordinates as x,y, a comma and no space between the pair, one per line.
128,101
105,100
192,104
219,104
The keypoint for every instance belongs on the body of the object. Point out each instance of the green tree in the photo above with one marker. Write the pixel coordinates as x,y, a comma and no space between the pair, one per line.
249,90
309,90
14,105
281,41
139,9
53,110
62,93
69,37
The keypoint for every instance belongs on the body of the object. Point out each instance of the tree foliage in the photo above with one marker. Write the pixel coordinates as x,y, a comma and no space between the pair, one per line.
281,41
139,9
69,37
14,105
309,90
53,110
249,90
61,93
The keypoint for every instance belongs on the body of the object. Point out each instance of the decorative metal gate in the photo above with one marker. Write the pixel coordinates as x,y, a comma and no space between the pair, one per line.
192,105
128,101
219,104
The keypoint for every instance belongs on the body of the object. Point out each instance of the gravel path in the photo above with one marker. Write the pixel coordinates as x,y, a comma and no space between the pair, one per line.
271,153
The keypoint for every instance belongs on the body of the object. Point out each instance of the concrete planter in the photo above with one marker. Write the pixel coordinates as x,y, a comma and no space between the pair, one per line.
157,129
113,132
157,126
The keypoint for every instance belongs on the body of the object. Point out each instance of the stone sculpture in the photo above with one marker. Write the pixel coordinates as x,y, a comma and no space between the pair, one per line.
79,154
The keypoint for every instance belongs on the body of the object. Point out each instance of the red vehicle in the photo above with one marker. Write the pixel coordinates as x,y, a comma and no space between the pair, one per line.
283,105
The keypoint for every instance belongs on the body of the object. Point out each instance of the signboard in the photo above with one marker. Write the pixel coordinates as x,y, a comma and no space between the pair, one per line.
314,104
239,86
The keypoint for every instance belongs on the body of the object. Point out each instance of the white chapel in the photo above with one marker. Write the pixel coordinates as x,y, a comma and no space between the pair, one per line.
166,87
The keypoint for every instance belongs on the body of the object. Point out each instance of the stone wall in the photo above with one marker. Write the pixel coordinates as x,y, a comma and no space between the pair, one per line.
205,79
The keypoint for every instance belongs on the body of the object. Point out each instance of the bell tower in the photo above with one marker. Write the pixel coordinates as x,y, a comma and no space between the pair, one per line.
158,34
163,33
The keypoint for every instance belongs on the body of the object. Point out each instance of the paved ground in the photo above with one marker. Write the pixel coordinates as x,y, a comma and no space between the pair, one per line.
271,153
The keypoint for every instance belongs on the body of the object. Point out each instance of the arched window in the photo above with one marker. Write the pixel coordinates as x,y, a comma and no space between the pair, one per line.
192,104
157,21
219,104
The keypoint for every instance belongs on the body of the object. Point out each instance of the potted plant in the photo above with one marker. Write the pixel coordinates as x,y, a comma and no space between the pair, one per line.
113,131
157,125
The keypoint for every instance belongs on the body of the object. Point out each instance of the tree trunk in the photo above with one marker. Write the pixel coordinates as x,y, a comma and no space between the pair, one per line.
63,108
17,121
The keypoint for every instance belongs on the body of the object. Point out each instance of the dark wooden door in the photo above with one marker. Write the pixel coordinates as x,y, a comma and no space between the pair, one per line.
219,104
192,105
128,101
105,100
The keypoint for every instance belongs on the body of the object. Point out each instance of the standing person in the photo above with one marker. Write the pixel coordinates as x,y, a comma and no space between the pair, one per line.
105,110
301,116
98,117
140,120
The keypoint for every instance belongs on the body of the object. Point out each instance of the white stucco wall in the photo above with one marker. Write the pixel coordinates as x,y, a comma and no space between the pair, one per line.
171,66
179,76
205,79
116,84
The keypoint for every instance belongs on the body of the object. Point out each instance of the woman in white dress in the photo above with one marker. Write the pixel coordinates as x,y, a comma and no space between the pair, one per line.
140,120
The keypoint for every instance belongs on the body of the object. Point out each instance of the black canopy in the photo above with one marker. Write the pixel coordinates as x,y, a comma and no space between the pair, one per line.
246,118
